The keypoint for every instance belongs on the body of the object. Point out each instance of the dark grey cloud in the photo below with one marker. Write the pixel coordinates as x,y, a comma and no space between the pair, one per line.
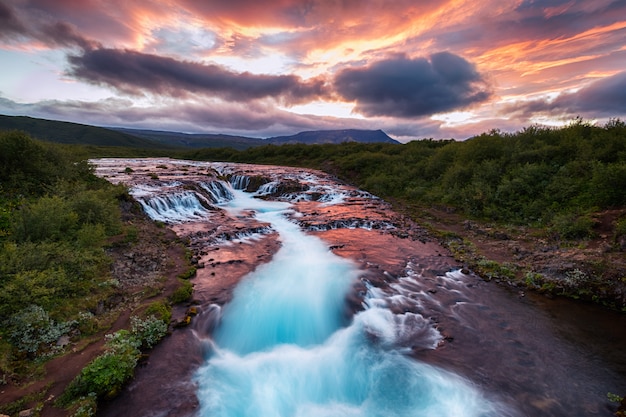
603,98
404,87
137,73
607,95
47,31
531,20
256,119
10,25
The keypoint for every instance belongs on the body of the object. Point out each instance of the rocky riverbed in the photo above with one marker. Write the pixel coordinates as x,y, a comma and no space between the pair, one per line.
537,356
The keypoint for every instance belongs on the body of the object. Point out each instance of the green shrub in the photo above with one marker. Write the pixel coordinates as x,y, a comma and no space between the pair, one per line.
573,226
105,376
160,310
132,234
91,236
189,273
183,292
149,330
86,406
97,207
31,330
48,218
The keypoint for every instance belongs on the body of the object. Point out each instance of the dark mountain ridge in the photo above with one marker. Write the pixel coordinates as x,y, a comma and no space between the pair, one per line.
207,140
73,133
335,136
76,133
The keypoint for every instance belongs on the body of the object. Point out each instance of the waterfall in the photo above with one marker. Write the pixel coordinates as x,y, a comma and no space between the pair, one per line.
268,188
218,191
283,346
173,208
239,182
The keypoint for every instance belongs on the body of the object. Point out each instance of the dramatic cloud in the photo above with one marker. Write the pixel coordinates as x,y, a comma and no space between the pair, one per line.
9,23
247,119
316,63
603,98
136,73
607,96
405,87
53,33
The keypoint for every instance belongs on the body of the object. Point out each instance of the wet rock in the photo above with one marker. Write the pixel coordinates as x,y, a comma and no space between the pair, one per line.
27,413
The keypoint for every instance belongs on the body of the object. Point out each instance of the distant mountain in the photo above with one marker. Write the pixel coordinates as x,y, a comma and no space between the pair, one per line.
203,140
334,136
190,140
73,133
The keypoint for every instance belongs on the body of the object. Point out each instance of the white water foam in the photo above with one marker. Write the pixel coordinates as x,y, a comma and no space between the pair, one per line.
284,348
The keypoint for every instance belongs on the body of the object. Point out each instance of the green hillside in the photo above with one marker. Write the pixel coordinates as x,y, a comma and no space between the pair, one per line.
74,133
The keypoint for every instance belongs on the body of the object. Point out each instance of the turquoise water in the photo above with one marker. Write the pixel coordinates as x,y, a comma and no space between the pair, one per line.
285,348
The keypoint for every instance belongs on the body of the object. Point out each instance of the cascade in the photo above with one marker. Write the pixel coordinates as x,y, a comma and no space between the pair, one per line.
239,182
290,344
284,348
218,191
267,188
175,207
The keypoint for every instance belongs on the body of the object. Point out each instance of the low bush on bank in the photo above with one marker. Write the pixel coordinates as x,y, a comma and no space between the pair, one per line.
105,376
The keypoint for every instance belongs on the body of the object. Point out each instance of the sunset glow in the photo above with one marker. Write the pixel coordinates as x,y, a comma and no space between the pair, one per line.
443,68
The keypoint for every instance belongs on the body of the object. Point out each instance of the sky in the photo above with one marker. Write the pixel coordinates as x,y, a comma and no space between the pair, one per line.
415,69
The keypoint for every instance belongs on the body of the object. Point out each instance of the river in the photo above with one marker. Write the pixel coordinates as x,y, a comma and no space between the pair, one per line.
318,300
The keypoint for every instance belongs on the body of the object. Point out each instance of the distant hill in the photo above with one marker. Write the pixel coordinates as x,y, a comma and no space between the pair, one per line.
190,140
334,136
73,133
202,140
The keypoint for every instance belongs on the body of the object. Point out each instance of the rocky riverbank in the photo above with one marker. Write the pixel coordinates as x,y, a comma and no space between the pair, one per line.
529,259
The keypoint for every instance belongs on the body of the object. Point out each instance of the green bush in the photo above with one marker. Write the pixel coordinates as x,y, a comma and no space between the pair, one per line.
31,330
105,376
183,292
86,406
573,226
48,218
160,310
149,330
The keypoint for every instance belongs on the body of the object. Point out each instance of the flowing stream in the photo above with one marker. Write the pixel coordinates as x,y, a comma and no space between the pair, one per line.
284,347
316,300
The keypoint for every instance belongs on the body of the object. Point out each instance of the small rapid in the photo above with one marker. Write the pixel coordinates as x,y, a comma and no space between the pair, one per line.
284,345
286,328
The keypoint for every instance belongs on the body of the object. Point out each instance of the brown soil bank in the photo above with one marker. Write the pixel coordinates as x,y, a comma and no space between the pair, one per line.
591,269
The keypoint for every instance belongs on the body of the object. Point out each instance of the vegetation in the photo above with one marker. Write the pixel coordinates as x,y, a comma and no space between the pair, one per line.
543,176
57,223
106,375
55,219
556,181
